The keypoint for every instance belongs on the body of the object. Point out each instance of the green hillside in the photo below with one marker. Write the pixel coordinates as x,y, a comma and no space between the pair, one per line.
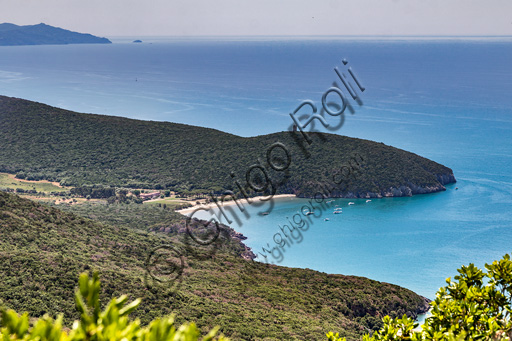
42,251
41,142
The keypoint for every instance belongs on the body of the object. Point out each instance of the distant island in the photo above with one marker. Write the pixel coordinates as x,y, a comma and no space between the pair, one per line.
75,149
42,34
137,41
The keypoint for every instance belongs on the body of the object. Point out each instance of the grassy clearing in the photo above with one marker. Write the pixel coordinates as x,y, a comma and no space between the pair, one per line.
9,181
169,201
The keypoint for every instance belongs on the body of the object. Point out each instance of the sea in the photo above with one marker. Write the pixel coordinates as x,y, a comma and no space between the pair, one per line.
448,99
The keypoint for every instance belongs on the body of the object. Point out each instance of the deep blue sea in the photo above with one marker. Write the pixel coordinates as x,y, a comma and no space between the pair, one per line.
449,100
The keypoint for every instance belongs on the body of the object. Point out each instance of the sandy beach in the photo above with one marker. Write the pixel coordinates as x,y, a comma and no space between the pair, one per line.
244,202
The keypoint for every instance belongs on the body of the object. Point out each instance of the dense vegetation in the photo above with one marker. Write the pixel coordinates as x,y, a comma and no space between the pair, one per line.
476,306
111,324
42,251
42,34
138,217
41,142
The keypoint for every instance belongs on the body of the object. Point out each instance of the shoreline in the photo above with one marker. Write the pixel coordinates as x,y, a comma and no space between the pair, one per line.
368,195
244,202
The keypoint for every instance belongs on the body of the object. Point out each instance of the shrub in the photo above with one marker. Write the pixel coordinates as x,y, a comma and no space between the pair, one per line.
476,306
110,324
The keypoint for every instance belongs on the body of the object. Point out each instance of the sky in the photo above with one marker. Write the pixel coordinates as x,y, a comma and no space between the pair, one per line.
266,17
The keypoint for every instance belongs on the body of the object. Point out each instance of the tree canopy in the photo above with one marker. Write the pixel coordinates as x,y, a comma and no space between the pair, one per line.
477,305
111,324
42,142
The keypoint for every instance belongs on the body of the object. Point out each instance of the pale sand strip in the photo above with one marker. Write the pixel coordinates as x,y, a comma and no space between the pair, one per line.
191,209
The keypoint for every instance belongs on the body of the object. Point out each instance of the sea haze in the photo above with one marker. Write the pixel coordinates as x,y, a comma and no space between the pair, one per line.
448,100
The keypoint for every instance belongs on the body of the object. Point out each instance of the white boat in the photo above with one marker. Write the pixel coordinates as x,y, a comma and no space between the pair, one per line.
337,212
351,203
326,219
368,200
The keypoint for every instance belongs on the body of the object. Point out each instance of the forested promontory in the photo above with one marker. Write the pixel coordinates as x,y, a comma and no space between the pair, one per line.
38,141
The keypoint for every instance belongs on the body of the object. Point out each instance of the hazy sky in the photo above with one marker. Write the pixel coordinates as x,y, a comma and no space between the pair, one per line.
266,17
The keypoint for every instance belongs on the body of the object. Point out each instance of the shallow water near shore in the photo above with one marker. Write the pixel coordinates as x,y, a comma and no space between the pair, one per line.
448,101
416,242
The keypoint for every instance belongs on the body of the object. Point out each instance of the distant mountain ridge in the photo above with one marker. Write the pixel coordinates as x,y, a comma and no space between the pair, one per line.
42,34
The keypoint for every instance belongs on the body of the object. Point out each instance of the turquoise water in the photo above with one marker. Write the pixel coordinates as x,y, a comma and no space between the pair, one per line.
446,100
416,242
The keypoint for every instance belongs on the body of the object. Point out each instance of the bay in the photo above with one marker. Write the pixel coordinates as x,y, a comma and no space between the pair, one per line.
444,99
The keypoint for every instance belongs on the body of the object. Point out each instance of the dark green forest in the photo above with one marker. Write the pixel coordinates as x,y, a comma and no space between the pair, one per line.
43,249
42,142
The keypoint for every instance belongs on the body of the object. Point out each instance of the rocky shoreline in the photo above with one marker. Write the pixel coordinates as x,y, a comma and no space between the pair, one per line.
425,307
405,190
247,253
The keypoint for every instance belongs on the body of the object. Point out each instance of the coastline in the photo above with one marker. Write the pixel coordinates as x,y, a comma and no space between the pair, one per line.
422,310
247,254
401,191
191,209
